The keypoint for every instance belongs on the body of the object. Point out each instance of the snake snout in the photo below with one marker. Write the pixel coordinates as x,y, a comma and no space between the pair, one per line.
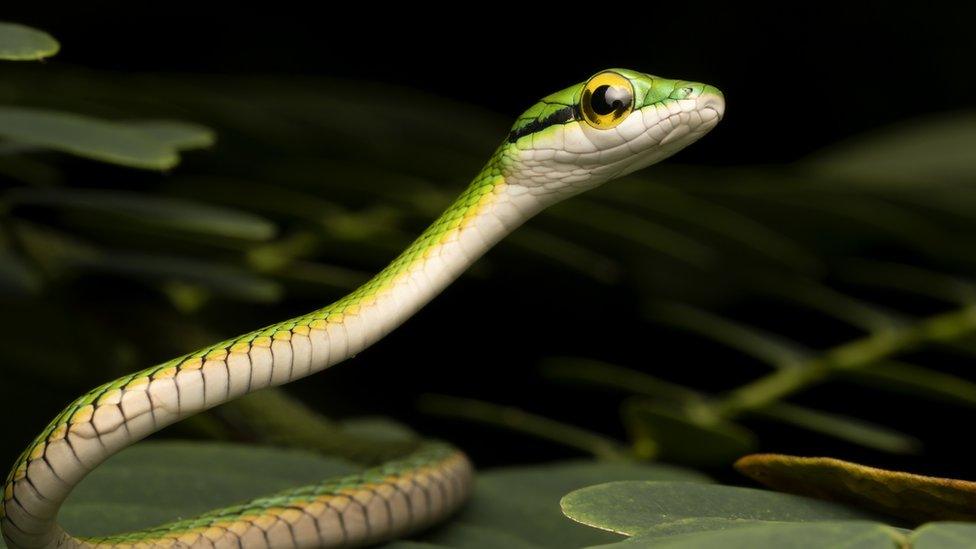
712,100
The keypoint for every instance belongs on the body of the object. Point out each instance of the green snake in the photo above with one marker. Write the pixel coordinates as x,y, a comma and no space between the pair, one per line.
614,123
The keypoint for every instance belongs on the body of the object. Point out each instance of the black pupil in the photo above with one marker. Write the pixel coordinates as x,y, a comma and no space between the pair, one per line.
607,99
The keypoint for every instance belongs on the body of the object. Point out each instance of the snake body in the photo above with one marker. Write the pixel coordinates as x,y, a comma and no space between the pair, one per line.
614,123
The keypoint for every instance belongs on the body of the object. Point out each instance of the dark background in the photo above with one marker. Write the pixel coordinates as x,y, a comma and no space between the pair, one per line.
795,81
796,78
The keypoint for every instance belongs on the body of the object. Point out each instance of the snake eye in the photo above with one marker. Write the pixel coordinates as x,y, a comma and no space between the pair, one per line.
607,99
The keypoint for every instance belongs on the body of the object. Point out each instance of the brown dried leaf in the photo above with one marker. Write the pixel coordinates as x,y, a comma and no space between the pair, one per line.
916,498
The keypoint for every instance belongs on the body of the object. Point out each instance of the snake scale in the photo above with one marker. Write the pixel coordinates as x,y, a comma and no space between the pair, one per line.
614,123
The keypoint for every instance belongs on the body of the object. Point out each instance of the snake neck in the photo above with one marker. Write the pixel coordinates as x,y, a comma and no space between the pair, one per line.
119,413
483,214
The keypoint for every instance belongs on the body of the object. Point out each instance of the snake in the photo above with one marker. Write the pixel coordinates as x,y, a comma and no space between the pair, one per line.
614,123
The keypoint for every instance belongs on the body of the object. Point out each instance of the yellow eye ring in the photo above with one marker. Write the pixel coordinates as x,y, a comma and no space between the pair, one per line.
607,99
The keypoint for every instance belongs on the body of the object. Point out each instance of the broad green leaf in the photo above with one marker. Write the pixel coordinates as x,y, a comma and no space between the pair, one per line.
944,535
154,147
634,508
458,535
685,435
154,482
23,43
156,211
524,501
821,535
913,497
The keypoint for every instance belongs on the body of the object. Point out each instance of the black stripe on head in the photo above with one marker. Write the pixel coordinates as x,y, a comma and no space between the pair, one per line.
563,115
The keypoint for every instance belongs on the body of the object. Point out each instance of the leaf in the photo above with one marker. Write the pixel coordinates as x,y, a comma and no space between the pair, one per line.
16,277
685,435
752,341
820,535
378,428
154,482
218,278
22,43
914,497
917,381
458,535
107,141
176,134
524,501
167,213
920,152
157,481
595,372
663,200
851,429
633,228
635,508
944,535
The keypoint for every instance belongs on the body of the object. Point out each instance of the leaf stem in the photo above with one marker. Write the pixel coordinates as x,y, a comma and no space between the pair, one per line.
849,356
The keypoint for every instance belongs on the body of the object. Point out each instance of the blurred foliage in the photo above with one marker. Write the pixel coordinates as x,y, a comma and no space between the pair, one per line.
23,43
690,515
853,267
154,482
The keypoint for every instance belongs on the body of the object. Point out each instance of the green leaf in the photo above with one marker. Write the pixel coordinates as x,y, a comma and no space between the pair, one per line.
917,381
637,508
156,211
154,482
921,152
910,496
598,373
632,228
747,339
157,481
216,278
176,134
16,277
458,535
23,43
665,201
821,535
378,428
944,535
851,429
524,501
153,146
685,435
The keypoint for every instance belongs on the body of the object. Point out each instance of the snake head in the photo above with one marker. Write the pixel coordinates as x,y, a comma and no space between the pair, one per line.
614,123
